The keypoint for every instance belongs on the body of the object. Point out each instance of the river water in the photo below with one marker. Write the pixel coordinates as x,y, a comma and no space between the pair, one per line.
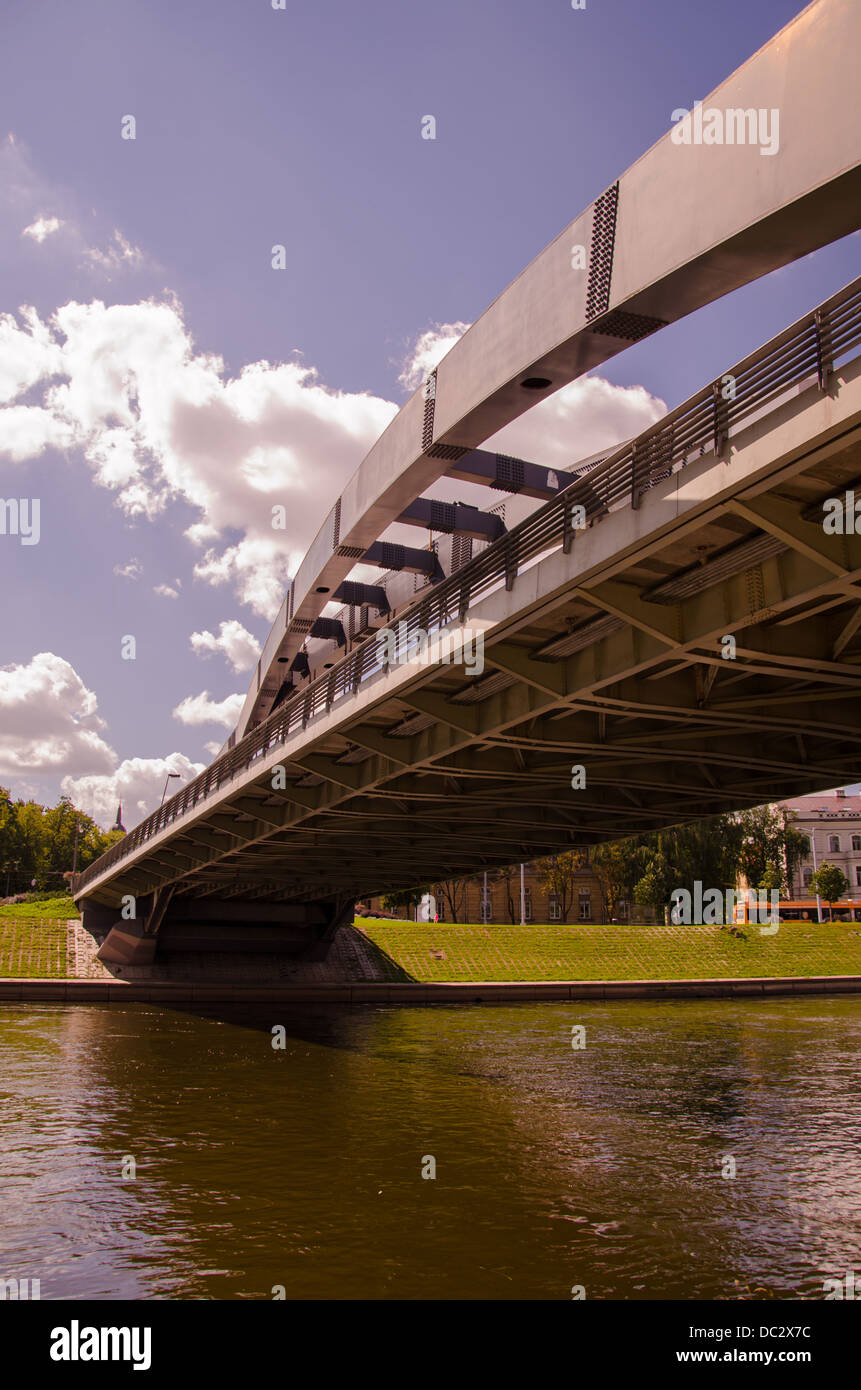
601,1167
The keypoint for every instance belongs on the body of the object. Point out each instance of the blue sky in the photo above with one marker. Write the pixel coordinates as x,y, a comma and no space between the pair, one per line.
221,378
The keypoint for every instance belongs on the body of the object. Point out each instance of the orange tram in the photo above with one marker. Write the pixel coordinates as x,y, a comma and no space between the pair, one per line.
805,910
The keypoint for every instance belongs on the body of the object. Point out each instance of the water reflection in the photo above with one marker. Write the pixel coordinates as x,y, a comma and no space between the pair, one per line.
555,1167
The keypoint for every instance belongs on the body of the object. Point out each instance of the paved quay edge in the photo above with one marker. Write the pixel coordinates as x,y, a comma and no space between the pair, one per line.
476,992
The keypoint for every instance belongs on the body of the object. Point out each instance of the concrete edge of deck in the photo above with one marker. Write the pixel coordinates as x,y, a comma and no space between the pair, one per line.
456,992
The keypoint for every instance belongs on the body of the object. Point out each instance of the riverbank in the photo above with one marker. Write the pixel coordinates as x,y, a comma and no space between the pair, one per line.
479,992
429,952
439,963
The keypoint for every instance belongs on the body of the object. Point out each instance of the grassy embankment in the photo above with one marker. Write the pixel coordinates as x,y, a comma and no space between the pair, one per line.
445,952
33,943
33,938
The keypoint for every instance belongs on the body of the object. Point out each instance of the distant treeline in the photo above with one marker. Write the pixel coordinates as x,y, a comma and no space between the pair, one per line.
37,843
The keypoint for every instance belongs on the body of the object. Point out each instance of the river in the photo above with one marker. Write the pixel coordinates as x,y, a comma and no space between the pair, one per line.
601,1168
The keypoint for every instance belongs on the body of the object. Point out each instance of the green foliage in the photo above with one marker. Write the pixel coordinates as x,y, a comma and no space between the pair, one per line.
558,874
408,898
829,882
37,844
762,846
43,907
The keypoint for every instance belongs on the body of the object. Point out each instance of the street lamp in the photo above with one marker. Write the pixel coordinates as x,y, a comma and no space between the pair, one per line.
78,828
815,868
166,780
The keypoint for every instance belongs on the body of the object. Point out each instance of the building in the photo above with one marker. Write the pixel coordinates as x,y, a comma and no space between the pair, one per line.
831,823
464,899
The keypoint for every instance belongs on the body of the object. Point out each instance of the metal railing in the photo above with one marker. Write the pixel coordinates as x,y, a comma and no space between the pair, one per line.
810,348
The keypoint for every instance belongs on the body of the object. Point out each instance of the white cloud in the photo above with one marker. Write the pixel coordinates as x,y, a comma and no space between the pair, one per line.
158,422
584,418
427,351
239,647
50,727
24,193
168,590
200,709
581,419
28,353
43,227
132,569
48,721
118,255
136,785
213,748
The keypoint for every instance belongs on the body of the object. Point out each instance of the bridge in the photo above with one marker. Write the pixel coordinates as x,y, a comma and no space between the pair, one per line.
649,638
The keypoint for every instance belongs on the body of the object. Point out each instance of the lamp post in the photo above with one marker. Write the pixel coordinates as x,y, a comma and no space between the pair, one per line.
166,780
75,855
815,867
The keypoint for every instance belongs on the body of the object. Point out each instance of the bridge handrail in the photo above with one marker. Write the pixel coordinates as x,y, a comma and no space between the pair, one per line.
815,343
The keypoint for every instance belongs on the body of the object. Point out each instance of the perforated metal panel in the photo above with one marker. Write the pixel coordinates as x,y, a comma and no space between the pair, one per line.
447,451
392,557
336,529
461,552
430,403
601,252
510,474
632,327
442,516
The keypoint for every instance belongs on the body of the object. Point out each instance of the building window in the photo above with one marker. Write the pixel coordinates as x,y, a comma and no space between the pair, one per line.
585,905
808,874
858,875
805,844
833,844
527,893
856,842
554,909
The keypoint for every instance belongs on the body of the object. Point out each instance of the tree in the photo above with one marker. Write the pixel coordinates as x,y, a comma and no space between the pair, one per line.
771,847
830,883
404,900
453,894
617,867
508,874
558,874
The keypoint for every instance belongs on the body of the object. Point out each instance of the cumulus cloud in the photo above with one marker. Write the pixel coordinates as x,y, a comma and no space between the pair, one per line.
49,721
50,727
158,422
427,351
136,785
168,590
200,709
583,418
43,227
239,647
586,417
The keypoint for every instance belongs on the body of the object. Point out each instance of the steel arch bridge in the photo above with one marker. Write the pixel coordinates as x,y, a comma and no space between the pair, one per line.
606,614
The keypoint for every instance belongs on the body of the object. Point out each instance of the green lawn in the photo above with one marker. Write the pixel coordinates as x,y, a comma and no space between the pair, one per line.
440,952
45,909
429,952
32,949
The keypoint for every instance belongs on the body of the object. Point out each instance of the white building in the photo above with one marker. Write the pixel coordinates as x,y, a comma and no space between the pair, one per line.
831,821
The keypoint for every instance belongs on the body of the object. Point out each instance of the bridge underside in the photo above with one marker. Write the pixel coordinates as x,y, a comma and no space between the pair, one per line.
608,653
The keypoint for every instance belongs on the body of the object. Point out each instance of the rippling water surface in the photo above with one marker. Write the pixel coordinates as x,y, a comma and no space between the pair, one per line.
555,1167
